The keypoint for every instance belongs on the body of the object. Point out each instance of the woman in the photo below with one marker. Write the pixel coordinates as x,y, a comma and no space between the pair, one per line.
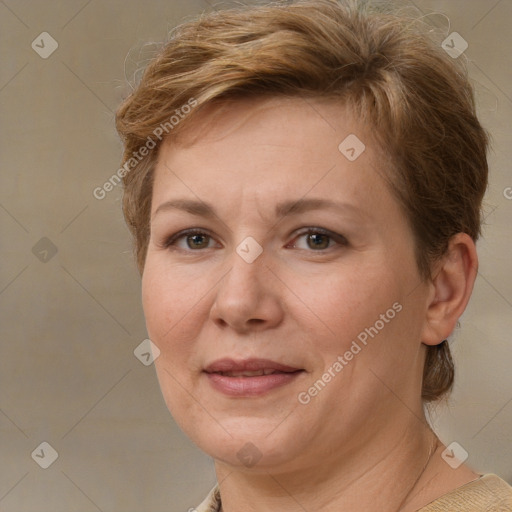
303,182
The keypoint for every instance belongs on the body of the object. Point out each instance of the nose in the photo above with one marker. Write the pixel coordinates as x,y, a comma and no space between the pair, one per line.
248,297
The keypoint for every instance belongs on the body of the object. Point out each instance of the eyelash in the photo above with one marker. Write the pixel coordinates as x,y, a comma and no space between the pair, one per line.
170,242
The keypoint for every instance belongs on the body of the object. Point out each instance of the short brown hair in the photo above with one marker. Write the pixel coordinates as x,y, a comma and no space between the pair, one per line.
377,62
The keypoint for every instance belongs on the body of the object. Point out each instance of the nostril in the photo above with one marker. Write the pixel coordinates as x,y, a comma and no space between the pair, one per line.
256,321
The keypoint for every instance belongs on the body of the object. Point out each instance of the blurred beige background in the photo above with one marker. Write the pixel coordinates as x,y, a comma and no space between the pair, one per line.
70,293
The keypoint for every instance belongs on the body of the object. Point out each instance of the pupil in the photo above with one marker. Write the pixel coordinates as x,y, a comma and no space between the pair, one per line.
196,240
316,238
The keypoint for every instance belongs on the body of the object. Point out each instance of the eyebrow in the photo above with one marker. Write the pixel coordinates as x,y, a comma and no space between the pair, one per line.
290,207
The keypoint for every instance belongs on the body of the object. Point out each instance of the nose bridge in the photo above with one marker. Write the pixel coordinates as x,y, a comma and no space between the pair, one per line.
248,263
245,296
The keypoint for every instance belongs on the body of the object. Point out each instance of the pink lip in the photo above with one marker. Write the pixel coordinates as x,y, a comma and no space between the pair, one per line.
249,386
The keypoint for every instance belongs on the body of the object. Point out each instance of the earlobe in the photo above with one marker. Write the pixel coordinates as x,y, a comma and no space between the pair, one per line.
451,289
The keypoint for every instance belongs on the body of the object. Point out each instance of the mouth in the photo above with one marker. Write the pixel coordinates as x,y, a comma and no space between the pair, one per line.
251,377
255,373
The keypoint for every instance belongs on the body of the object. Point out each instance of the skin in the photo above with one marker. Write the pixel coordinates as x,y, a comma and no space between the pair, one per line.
363,439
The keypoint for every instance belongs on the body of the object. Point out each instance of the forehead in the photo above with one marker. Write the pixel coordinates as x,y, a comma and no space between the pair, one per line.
284,120
266,149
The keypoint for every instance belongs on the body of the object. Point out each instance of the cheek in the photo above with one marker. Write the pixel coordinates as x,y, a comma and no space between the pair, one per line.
342,303
374,321
171,309
369,318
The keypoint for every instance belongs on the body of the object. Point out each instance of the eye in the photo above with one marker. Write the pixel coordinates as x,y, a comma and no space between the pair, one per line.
319,239
191,239
196,239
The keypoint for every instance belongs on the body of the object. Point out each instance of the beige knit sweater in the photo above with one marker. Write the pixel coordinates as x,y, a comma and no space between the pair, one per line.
489,493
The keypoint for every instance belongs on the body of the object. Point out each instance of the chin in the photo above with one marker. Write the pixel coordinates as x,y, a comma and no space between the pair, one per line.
250,444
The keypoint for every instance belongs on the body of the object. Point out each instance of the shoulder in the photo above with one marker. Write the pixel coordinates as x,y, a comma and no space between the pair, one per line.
489,493
211,503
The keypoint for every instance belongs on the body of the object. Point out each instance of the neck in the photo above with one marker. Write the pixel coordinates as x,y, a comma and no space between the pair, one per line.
388,472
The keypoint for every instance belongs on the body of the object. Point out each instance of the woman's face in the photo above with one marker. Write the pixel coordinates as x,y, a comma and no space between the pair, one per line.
289,321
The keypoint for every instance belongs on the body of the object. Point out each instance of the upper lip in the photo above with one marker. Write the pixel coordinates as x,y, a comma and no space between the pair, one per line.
230,365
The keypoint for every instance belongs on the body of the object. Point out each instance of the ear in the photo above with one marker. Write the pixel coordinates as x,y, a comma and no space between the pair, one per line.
450,289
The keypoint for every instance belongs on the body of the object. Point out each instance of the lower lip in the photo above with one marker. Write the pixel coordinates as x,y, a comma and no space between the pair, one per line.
250,386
